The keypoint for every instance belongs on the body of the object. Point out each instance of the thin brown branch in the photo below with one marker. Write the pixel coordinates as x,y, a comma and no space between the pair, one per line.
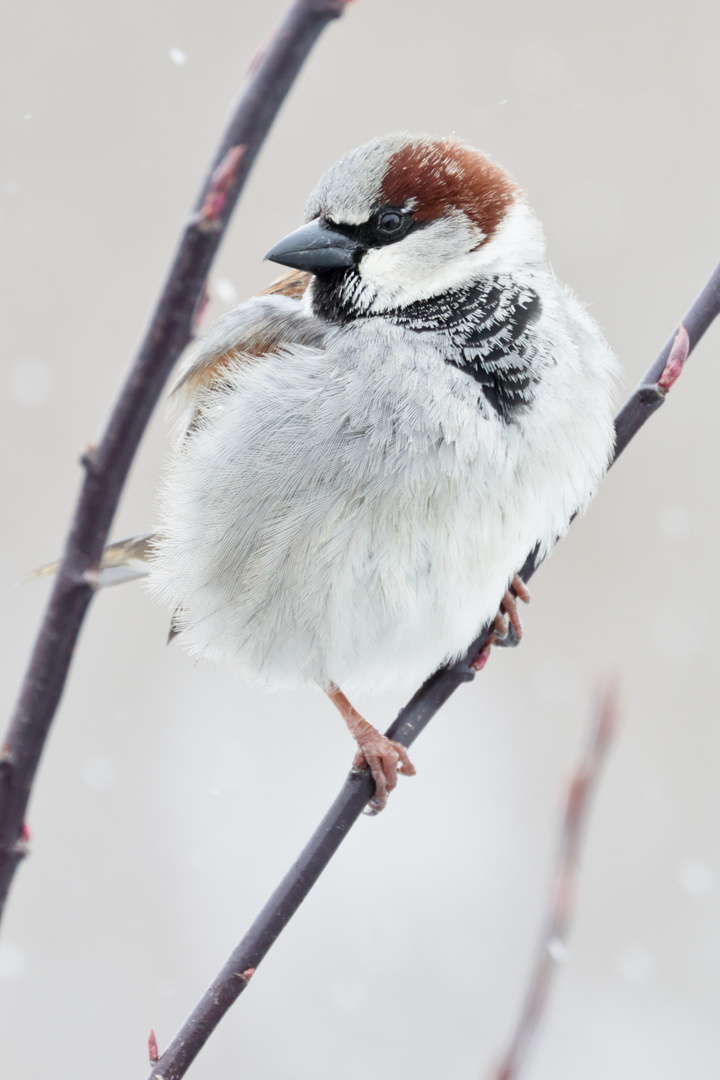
106,465
410,722
561,906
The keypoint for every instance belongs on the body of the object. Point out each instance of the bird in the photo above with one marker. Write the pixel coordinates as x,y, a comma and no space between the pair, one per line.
367,452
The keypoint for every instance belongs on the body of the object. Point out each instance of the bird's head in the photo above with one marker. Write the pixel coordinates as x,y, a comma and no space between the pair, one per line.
407,217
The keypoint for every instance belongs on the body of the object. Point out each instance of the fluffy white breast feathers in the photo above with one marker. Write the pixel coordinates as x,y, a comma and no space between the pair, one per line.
365,463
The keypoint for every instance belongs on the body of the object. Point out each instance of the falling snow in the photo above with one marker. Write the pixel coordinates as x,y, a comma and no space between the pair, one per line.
12,961
636,964
31,382
696,877
674,522
99,774
225,291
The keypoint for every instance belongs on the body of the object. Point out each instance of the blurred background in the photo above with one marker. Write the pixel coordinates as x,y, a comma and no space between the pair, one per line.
171,797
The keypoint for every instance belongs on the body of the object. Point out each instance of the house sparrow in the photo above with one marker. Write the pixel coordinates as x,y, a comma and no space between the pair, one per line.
366,462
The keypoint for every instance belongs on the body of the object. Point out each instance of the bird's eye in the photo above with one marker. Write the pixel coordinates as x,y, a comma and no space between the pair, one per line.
389,223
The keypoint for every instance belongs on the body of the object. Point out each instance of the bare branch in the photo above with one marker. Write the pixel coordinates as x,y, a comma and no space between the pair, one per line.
410,722
561,907
106,466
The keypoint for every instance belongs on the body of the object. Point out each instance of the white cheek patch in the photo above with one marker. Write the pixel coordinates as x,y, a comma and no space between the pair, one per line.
517,242
426,262
447,254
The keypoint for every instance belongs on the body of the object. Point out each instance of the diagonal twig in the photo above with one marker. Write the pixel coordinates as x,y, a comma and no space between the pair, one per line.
410,722
106,465
551,950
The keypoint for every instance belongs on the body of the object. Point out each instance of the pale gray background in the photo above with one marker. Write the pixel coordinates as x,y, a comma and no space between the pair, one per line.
171,798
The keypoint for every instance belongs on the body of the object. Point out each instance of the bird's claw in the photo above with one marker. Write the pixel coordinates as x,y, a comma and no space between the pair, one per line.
504,633
385,758
507,628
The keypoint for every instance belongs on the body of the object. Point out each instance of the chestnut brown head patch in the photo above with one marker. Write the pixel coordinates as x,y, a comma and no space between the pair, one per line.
437,176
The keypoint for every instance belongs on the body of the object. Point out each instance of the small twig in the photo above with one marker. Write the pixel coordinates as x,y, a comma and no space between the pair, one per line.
561,908
106,466
410,722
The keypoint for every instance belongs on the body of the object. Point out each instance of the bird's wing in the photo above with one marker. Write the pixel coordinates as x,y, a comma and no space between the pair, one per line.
293,284
272,323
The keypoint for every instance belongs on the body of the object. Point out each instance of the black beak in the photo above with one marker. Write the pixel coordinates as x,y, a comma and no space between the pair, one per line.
315,247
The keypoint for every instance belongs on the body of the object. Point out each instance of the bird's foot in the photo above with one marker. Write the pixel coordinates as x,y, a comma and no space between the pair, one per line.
507,628
384,757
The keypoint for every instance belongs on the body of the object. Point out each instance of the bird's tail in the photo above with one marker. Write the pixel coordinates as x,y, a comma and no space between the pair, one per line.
125,560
